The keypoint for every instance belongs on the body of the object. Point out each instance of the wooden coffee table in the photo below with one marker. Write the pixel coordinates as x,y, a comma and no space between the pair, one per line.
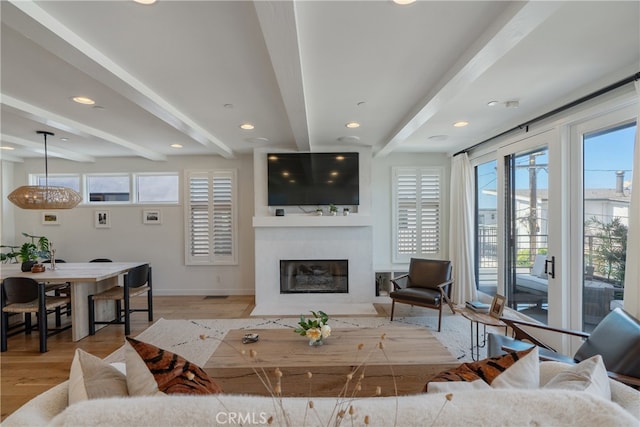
410,356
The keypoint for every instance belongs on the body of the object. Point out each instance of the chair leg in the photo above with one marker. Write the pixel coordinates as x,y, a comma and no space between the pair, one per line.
393,306
150,306
42,320
118,311
92,316
4,317
439,316
58,317
27,324
127,312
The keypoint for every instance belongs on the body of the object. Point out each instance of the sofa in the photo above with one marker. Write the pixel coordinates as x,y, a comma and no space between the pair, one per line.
467,407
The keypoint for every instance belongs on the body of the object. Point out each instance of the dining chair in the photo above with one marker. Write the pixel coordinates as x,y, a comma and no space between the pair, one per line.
59,289
23,295
137,282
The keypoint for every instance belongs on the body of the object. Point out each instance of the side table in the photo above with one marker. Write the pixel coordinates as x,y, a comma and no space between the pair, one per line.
485,320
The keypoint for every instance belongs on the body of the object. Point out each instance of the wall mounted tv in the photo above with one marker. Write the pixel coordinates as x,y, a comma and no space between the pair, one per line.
313,179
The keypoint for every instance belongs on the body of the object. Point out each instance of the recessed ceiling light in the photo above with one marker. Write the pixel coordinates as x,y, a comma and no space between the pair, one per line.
460,124
176,145
353,125
228,106
404,2
247,126
145,2
84,100
512,104
6,147
64,139
492,103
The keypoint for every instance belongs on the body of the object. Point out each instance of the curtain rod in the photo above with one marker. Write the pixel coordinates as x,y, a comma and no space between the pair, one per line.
572,104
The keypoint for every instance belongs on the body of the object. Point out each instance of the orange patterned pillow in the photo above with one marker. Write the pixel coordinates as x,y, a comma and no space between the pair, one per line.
172,374
513,370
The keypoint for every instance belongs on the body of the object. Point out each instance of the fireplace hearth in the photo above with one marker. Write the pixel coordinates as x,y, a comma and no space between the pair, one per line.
314,276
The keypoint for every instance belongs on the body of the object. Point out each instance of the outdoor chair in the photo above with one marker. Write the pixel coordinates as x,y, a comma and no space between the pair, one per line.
428,284
616,339
137,282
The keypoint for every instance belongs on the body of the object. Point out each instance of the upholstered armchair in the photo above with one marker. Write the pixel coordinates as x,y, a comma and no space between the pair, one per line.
428,284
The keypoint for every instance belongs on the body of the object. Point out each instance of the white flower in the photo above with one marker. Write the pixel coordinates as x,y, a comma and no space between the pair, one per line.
314,333
326,331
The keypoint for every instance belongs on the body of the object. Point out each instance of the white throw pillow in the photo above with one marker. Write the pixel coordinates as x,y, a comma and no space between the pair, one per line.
92,378
524,373
451,386
590,375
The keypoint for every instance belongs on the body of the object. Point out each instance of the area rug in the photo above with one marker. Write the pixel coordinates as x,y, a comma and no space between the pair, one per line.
184,336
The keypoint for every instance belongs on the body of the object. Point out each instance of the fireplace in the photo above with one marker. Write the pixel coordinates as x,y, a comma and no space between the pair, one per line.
314,276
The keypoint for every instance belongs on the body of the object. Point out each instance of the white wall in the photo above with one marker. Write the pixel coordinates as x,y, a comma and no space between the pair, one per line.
128,239
76,239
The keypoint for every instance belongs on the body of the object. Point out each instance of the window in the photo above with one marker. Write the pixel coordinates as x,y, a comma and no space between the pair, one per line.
416,212
58,180
108,188
157,188
211,226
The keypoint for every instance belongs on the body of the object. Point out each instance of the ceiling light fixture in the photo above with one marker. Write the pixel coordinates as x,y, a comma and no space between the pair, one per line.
145,2
84,100
176,145
247,126
353,125
6,147
44,197
492,103
460,124
404,2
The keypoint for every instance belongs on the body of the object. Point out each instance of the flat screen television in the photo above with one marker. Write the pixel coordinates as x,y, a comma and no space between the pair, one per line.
299,179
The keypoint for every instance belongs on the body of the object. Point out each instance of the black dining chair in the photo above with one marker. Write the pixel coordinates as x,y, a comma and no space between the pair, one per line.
137,281
23,295
59,289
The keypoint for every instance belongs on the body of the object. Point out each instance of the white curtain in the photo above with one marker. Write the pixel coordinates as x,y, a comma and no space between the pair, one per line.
461,234
632,269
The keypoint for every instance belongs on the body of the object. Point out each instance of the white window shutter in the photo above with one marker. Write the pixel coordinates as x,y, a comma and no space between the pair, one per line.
211,217
416,213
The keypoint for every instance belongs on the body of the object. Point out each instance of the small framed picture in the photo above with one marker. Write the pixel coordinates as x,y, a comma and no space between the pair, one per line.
497,306
102,219
151,216
50,218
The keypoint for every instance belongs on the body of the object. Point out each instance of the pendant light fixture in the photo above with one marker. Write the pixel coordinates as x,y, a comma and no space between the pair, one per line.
44,197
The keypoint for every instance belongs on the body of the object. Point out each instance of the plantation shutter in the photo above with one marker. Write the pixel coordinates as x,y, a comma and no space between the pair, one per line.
416,212
211,217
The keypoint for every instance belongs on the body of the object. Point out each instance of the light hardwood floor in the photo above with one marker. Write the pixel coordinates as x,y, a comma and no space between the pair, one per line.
26,372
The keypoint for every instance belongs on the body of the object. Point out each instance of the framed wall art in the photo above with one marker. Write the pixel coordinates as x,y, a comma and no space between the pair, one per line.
151,216
102,219
50,218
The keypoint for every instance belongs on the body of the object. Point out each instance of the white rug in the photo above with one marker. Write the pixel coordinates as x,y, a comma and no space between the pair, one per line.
183,336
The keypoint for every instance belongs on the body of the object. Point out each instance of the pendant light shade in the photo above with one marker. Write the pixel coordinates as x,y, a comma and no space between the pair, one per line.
44,197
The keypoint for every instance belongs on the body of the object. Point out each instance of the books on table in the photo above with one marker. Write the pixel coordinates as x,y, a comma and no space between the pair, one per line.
478,306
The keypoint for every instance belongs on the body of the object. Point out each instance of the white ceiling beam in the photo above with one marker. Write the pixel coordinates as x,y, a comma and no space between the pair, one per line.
129,86
278,24
38,147
56,121
9,158
517,23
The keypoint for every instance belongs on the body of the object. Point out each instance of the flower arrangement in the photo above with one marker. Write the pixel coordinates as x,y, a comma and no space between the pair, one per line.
316,328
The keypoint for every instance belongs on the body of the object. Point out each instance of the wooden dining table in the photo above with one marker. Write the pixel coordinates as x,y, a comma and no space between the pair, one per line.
86,278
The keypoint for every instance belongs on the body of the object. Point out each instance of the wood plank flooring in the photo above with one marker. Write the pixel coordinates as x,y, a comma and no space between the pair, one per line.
26,372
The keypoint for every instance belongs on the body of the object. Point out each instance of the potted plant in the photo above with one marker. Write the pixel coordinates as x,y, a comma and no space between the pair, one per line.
333,210
29,252
319,212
